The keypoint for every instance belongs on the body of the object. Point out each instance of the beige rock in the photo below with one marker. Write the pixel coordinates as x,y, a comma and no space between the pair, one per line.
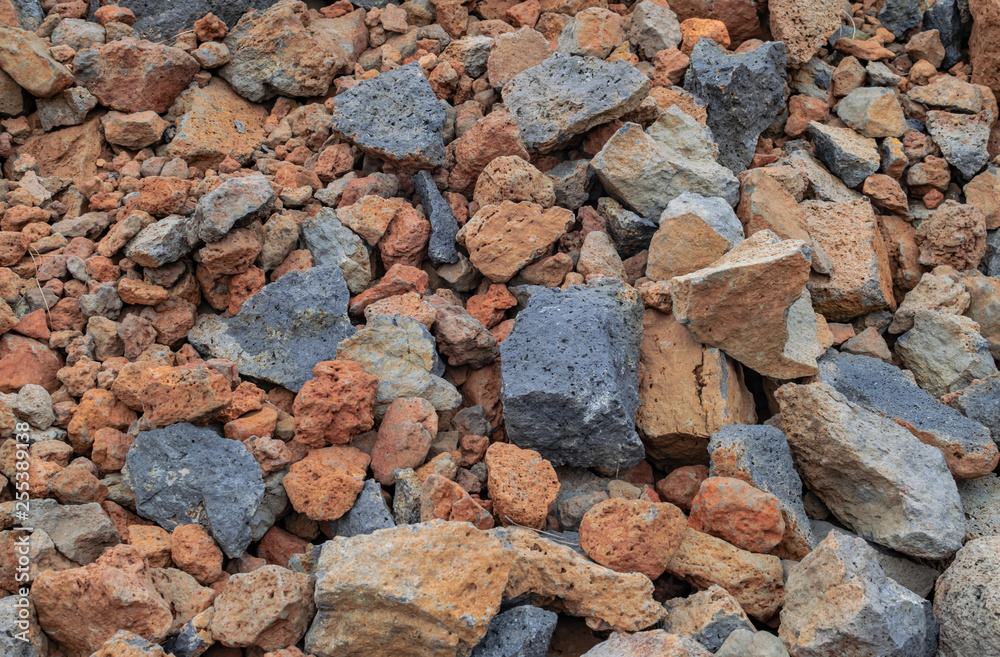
269,608
945,352
941,289
953,234
599,258
683,244
804,26
510,178
984,307
655,643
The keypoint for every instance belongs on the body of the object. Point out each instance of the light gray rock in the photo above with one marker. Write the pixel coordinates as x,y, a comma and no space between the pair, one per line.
652,28
824,185
20,635
168,240
334,244
880,75
33,404
77,33
570,376
444,227
523,631
980,402
708,617
283,330
566,95
368,514
849,156
235,203
80,532
183,474
945,352
838,601
981,504
962,139
747,643
967,601
717,213
69,107
579,490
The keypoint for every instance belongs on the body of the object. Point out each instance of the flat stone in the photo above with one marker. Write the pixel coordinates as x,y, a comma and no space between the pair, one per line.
524,631
744,93
874,475
555,402
395,117
566,95
283,330
183,474
653,642
850,157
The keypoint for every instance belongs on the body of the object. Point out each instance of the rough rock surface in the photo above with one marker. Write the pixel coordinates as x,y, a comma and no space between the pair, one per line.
965,600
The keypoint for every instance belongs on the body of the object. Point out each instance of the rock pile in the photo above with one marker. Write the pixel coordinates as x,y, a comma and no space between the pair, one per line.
437,328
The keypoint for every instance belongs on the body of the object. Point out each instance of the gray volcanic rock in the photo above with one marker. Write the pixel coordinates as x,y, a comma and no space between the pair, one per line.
900,16
33,642
962,139
524,631
887,390
967,601
183,474
168,240
874,476
283,330
708,617
630,232
566,95
81,532
744,93
759,455
944,17
395,117
570,371
333,243
848,155
157,20
838,601
233,204
444,227
368,514
980,401
29,14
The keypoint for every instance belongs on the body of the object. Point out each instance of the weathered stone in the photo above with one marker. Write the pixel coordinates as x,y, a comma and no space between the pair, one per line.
954,234
28,61
720,304
983,192
69,107
131,75
161,243
441,248
26,14
514,52
566,95
744,93
966,600
235,203
803,27
875,476
900,16
81,532
524,631
694,232
632,535
962,139
643,644
183,474
283,330
873,111
269,608
395,117
708,617
522,485
945,352
369,513
744,643
738,513
838,600
558,344
326,482
848,155
331,243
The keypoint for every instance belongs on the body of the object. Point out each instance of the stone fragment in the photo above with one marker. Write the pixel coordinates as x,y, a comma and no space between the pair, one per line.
708,617
194,552
284,330
900,16
514,52
954,234
509,178
744,643
326,482
653,642
442,498
853,460
183,474
522,485
189,393
737,513
395,117
838,599
335,405
69,107
966,600
332,243
551,356
744,93
849,156
368,514
404,438
694,232
161,242
632,535
462,338
523,631
983,193
133,131
803,27
269,608
653,27
873,111
157,22
441,247
720,304
945,352
432,587
236,203
81,532
566,95
962,139
29,62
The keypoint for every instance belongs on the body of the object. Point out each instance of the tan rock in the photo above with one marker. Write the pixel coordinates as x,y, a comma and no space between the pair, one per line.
193,551
687,391
941,289
706,615
326,482
983,192
953,234
754,580
752,303
70,152
510,178
632,536
655,643
683,244
503,238
984,307
522,485
804,27
27,59
599,258
269,608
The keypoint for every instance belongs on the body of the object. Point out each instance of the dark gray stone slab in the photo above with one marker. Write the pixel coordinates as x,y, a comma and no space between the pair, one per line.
524,631
157,20
444,227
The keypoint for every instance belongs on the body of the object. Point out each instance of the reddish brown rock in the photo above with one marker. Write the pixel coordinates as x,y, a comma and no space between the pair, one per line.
510,178
400,279
193,551
695,29
27,59
443,499
154,542
97,410
494,136
110,448
188,393
954,235
404,437
489,308
269,608
737,513
632,535
681,485
522,485
326,482
24,361
409,304
334,406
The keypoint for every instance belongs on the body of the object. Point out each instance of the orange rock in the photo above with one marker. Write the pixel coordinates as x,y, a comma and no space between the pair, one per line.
187,393
694,29
139,292
334,406
399,279
681,485
510,178
24,361
885,192
900,241
737,513
490,307
97,409
257,423
194,552
632,535
154,542
670,65
277,546
371,215
405,239
269,608
246,398
326,482
953,235
803,27
409,304
76,485
522,485
404,437
801,110
491,137
110,448
443,499
683,244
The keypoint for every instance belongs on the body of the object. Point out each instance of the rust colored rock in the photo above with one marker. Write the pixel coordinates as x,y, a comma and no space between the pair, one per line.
132,75
804,27
335,405
984,46
681,485
801,110
118,585
755,580
494,136
269,608
97,410
405,240
510,178
194,552
404,437
371,215
110,448
154,542
28,61
522,485
24,361
885,192
737,513
560,578
188,393
503,238
694,29
408,305
954,235
514,52
326,482
632,535
443,499
400,279
490,307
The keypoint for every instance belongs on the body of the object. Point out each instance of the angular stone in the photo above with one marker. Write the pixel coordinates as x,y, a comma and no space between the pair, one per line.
331,243
744,643
687,392
694,232
744,93
838,600
189,393
632,535
514,52
887,390
161,242
983,192
236,203
269,608
954,234
69,107
566,95
26,14
441,248
653,27
803,27
432,588
630,232
81,532
875,476
962,139
522,485
825,186
395,117
720,304
326,482
28,61
873,111
708,617
966,601
653,642
980,402
283,330
945,352
158,22
183,474
524,631
281,51
369,513
900,16
849,156
949,93
555,402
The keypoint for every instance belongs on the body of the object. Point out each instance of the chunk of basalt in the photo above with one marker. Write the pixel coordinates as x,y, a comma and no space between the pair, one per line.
945,352
524,631
630,232
753,304
570,376
760,456
441,247
235,203
395,117
369,513
944,16
962,139
967,445
183,474
283,330
848,155
161,243
744,93
873,475
566,95
332,243
159,21
839,601
708,617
